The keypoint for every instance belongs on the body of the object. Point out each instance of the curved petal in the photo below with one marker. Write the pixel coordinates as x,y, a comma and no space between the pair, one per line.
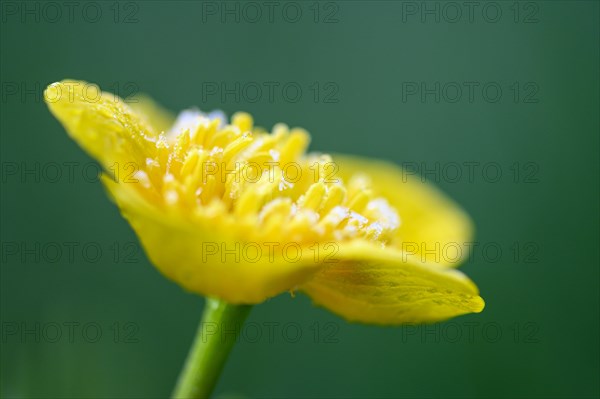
101,123
383,286
433,227
204,257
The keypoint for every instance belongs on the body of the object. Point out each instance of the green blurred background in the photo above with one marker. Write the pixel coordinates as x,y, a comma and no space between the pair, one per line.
360,68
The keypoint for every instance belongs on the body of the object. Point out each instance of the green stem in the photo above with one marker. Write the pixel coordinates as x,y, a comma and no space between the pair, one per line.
217,333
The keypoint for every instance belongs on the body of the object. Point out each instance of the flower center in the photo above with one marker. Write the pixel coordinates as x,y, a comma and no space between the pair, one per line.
263,184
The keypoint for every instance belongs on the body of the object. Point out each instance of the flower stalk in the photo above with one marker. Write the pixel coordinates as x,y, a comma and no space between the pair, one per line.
210,348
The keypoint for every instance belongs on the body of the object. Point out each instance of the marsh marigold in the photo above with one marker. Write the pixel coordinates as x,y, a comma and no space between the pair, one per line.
229,210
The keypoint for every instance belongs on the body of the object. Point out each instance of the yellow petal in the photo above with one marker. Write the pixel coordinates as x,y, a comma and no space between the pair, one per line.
382,286
204,257
433,227
101,123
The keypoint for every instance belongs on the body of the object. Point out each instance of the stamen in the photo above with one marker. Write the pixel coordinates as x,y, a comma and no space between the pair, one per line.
241,175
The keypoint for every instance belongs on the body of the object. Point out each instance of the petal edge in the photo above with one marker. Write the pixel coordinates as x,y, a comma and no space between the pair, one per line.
384,287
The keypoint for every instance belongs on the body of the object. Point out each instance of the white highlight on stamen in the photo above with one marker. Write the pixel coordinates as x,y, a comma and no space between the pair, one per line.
168,178
152,162
274,154
283,184
338,214
386,215
143,178
171,197
358,218
191,119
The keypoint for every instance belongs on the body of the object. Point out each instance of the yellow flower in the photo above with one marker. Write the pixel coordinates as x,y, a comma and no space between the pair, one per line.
232,211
